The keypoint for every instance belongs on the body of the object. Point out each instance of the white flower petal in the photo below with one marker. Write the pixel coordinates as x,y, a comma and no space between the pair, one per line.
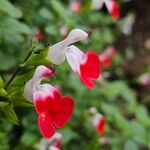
32,85
97,4
56,53
28,91
75,36
74,57
109,5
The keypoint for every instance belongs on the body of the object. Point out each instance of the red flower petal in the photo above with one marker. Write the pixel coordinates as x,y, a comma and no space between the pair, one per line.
115,12
62,111
100,127
45,125
105,61
89,69
42,102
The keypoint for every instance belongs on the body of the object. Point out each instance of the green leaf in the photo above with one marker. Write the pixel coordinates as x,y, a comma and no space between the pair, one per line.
3,92
142,116
17,98
140,134
1,82
45,13
21,80
3,104
68,135
39,59
59,8
122,124
112,90
10,114
110,109
34,42
13,25
130,145
11,10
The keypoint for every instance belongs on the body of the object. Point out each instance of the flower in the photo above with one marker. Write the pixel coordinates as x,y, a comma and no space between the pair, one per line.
111,6
126,25
107,56
99,123
39,35
87,65
75,6
53,143
53,109
144,79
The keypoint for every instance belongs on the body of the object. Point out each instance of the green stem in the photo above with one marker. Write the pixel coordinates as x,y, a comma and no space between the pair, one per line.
18,69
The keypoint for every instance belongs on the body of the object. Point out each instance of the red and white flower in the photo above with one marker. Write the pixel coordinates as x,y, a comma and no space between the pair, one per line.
99,123
75,6
107,56
39,35
53,109
87,65
53,143
111,6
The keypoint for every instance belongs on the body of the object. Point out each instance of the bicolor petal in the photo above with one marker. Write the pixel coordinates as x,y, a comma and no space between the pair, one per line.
89,69
99,123
40,73
113,8
87,66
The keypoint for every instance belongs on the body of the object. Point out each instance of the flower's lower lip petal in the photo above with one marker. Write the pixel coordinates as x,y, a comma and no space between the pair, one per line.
89,69
101,126
88,83
46,127
62,111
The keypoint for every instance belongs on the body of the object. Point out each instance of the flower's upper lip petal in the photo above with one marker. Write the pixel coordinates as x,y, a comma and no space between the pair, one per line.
76,35
33,84
56,53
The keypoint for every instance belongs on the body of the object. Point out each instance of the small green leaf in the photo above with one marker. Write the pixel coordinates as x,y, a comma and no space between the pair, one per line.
34,42
1,82
13,25
68,135
17,98
140,134
130,145
11,10
45,13
3,104
10,114
142,115
21,80
39,59
3,92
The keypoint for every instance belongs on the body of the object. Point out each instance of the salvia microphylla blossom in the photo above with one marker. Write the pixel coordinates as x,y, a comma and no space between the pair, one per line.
107,56
99,123
75,6
111,6
53,109
53,143
87,65
39,35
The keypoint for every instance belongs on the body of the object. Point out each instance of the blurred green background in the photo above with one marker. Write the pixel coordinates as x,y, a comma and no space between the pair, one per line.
122,94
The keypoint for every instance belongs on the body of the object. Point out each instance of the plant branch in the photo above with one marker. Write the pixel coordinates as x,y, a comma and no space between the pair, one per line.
19,68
